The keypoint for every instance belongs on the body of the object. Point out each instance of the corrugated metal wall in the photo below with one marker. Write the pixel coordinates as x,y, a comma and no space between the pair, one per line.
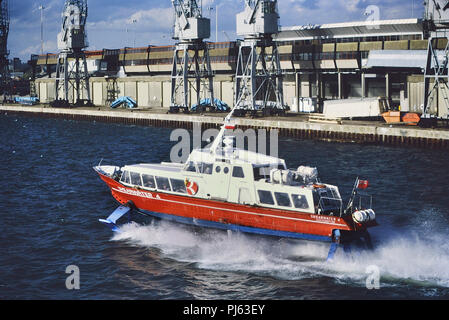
155,92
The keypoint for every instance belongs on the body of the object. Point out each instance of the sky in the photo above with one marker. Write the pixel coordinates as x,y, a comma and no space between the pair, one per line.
110,22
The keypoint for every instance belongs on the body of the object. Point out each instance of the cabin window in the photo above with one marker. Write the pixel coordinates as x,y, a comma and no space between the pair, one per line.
282,199
226,170
316,198
178,185
261,173
300,201
135,179
258,174
163,184
125,177
191,167
237,172
218,169
265,197
148,181
205,168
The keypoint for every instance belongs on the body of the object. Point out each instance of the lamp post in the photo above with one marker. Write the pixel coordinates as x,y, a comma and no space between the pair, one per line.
216,22
216,19
41,8
134,22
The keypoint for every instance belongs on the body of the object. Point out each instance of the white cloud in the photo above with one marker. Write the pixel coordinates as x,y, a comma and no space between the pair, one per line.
303,12
49,46
350,5
150,20
108,21
160,17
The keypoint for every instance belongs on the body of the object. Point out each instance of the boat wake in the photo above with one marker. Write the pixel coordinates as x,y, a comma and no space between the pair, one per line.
407,260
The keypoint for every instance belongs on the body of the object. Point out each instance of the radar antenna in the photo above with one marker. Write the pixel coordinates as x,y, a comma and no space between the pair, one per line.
72,77
190,68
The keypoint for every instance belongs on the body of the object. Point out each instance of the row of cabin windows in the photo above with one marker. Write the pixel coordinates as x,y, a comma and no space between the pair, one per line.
206,168
177,185
200,167
152,182
283,199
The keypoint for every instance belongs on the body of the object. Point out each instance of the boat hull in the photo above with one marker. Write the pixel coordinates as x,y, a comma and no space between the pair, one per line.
230,216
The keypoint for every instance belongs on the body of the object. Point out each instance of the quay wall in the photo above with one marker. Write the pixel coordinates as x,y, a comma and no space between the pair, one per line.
346,132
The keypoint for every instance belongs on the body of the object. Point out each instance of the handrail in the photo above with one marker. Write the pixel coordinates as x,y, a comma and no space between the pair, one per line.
339,201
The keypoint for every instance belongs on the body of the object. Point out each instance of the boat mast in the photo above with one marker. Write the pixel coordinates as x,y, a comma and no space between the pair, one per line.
227,125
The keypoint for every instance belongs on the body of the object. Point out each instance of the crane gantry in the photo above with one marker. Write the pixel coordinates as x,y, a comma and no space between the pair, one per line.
436,73
258,79
5,80
191,60
72,77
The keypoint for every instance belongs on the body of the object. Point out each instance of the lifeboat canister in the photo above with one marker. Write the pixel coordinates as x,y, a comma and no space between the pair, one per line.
359,216
371,214
363,216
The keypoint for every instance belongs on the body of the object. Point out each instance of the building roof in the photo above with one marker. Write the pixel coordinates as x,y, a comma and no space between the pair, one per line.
396,59
352,29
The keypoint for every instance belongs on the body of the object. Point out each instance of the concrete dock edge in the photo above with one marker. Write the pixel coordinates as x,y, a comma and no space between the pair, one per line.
365,134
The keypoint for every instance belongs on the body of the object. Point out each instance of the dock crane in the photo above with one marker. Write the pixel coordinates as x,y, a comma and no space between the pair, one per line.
436,73
191,60
258,79
72,76
5,80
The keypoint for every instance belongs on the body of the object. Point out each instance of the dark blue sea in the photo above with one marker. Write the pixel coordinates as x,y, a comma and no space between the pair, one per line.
51,201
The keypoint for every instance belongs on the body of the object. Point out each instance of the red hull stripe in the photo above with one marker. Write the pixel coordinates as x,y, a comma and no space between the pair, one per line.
233,227
271,221
130,192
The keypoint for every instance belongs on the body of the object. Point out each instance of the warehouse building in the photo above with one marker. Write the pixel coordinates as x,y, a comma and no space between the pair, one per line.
320,62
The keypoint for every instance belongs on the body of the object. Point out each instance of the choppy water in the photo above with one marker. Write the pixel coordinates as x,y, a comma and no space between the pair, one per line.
51,201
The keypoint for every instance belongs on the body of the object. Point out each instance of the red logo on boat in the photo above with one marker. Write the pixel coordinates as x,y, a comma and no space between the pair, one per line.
192,187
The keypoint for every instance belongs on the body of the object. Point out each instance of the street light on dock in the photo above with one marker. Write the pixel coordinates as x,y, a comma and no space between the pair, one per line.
134,22
42,8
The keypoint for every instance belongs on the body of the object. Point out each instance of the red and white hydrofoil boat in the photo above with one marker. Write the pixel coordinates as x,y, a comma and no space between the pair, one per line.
228,188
